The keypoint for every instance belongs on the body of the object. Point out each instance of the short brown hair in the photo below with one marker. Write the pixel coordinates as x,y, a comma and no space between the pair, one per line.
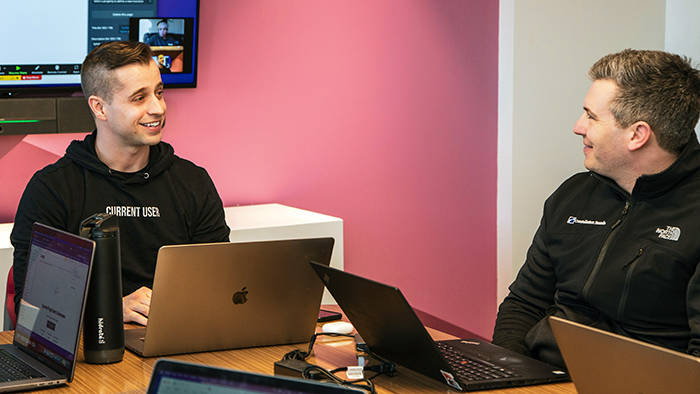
656,87
96,73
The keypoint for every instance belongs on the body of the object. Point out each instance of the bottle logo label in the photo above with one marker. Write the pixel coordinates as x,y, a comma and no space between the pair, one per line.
100,330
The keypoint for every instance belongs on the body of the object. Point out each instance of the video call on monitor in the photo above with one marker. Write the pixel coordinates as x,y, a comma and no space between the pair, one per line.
170,40
63,32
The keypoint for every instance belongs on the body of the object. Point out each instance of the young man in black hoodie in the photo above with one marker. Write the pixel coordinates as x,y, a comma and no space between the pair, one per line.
123,168
617,246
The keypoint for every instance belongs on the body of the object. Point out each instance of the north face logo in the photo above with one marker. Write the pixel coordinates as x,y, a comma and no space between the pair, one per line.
670,233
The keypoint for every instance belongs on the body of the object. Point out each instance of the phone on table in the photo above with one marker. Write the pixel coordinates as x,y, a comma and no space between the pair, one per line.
326,315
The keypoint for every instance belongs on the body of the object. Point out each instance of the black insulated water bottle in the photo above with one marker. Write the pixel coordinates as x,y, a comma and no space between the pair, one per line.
103,327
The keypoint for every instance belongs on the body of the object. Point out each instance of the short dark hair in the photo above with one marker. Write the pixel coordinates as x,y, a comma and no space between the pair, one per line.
656,87
96,78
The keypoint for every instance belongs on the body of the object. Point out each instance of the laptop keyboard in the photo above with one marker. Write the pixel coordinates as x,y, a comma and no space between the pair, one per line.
470,369
13,369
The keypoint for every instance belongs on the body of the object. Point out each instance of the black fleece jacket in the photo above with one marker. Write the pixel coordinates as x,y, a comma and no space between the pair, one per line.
624,263
171,201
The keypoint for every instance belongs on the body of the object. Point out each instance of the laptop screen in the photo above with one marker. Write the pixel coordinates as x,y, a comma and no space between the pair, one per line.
171,376
55,286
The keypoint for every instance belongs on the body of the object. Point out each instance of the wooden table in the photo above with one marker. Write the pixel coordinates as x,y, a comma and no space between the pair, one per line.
133,373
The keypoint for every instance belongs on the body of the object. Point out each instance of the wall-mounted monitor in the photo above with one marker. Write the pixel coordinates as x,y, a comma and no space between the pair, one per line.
46,40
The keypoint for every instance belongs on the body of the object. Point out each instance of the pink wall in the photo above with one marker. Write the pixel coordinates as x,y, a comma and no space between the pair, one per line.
383,113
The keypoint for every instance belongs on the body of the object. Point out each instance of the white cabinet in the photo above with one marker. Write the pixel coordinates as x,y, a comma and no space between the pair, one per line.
275,221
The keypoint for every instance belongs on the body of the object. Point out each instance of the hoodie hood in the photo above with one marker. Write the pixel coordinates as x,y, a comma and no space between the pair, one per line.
160,158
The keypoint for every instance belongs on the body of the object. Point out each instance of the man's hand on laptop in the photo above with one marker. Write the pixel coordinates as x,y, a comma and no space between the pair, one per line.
136,306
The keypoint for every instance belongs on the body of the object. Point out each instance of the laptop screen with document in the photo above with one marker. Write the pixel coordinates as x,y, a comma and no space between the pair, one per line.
48,324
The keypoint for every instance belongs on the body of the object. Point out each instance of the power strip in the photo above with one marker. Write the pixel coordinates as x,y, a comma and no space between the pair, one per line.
293,368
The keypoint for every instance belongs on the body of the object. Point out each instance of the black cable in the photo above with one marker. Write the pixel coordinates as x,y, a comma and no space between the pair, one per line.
314,371
386,367
301,355
364,384
379,369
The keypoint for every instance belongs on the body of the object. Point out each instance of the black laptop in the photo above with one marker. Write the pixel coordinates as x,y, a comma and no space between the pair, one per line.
171,376
391,329
45,345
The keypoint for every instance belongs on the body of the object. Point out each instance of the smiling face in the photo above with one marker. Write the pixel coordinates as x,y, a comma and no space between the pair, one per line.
604,142
135,114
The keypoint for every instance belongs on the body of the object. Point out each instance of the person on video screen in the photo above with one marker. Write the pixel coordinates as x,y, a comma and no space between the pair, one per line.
162,38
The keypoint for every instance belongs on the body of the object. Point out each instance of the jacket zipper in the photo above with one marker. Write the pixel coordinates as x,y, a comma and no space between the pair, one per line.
630,267
603,251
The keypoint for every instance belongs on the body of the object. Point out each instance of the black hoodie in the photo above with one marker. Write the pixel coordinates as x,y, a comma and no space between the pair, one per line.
171,201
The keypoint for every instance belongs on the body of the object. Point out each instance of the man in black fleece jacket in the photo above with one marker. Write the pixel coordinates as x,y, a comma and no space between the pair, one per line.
618,247
123,168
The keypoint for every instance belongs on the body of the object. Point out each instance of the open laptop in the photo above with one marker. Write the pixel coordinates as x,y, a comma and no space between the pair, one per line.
50,317
391,329
603,362
220,296
171,376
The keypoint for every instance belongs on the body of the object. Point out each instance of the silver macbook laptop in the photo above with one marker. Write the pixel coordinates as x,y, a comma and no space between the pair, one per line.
391,329
46,338
603,362
171,376
232,295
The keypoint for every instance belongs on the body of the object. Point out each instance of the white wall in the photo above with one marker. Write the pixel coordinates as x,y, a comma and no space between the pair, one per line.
683,29
554,42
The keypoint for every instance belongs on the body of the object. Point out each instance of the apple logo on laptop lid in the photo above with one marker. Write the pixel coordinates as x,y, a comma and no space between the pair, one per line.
240,297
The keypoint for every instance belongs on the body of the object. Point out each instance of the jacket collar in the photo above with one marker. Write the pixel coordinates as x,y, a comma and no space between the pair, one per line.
650,186
688,162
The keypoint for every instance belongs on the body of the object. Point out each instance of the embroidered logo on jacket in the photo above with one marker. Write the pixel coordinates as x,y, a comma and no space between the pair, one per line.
670,233
575,220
